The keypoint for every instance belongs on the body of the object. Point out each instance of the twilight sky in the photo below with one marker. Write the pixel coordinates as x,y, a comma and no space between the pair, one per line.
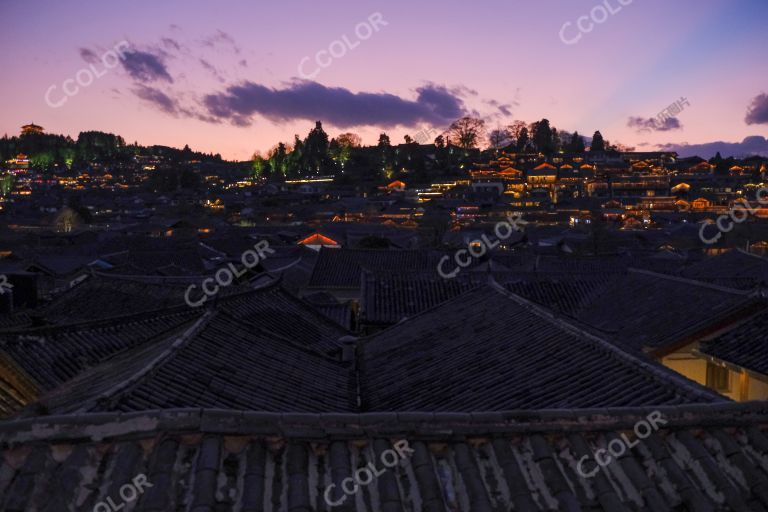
237,76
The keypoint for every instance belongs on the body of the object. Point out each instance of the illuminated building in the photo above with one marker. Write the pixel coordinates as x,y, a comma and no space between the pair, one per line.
31,129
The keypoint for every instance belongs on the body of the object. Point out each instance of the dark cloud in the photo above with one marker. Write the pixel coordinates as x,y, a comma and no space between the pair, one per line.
89,55
176,107
171,43
461,91
145,66
243,63
755,145
758,110
501,109
652,124
336,105
157,98
221,38
212,70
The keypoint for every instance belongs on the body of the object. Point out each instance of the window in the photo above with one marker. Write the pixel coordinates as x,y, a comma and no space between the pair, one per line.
718,377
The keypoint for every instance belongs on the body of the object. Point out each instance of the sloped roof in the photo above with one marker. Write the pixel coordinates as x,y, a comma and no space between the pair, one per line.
317,239
734,268
51,356
103,296
491,350
293,266
61,265
186,260
609,263
221,361
566,293
644,310
272,309
388,297
342,314
704,458
342,268
264,350
745,346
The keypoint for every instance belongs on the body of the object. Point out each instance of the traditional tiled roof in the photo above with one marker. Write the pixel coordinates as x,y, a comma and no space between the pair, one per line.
182,261
491,350
272,309
292,264
643,310
349,234
745,346
390,297
15,320
510,171
614,264
341,268
566,293
543,167
328,306
342,314
703,458
265,350
221,361
60,265
50,356
106,296
735,268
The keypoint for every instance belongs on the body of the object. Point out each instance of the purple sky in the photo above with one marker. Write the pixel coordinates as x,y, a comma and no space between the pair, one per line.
224,76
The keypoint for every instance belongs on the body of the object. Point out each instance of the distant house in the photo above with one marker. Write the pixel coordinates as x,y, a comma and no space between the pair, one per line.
21,161
701,204
317,240
339,272
666,319
57,273
32,129
736,362
543,175
37,361
488,186
733,269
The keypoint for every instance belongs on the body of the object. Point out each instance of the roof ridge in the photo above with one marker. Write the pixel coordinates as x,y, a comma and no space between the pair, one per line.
426,311
756,256
255,327
311,309
145,278
686,280
289,265
174,347
104,425
154,313
634,362
366,250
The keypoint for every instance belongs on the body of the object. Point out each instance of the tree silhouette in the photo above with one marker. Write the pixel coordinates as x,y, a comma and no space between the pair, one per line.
466,132
598,143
